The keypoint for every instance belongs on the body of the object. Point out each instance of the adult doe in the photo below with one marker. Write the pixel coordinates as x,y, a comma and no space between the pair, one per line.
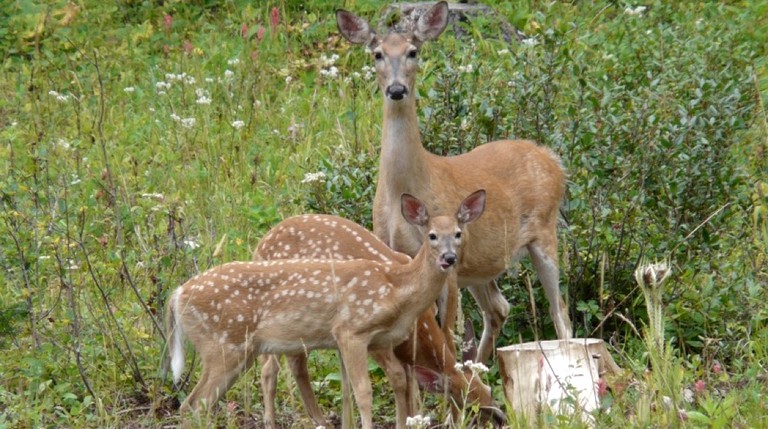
525,183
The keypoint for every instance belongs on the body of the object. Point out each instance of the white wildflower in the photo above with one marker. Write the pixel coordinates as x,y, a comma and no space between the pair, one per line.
233,61
229,74
477,367
530,42
238,124
466,69
162,85
637,11
188,122
368,72
59,97
190,80
209,80
191,244
153,196
175,117
202,96
129,89
331,73
288,80
314,177
417,421
62,144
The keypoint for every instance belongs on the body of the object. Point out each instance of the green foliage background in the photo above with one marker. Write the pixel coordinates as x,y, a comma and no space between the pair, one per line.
111,196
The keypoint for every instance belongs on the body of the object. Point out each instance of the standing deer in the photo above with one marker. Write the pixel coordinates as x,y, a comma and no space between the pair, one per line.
431,359
236,311
525,183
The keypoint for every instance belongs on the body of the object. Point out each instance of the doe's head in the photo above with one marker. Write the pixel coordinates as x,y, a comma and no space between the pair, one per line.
395,55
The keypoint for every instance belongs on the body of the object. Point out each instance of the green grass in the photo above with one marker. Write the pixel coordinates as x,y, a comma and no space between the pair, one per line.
110,199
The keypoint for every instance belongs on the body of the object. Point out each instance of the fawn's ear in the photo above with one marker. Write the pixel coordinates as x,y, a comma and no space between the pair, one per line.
354,28
432,23
469,345
472,207
430,380
414,211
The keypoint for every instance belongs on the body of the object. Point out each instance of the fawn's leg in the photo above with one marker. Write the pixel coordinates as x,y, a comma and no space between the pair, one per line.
270,368
354,354
298,364
396,375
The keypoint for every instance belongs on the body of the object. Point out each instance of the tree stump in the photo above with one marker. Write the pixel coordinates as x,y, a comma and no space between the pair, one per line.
561,376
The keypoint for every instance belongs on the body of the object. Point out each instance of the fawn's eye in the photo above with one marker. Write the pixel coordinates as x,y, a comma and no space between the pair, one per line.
378,56
458,235
412,53
432,236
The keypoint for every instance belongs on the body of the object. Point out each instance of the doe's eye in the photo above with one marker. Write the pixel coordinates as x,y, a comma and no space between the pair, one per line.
458,235
432,236
377,56
412,54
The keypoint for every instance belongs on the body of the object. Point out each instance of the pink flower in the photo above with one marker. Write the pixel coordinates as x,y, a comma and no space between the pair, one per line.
244,31
188,47
274,18
716,368
699,386
167,22
260,32
602,388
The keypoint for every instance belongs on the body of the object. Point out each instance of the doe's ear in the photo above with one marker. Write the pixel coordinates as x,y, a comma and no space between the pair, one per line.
432,23
414,211
354,28
472,207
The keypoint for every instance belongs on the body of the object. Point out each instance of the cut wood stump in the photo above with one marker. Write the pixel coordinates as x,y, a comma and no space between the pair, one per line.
559,376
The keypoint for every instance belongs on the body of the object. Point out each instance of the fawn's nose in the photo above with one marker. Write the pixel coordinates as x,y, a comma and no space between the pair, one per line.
397,91
448,260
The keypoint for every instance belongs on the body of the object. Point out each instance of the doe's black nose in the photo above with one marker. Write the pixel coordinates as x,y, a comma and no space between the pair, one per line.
397,91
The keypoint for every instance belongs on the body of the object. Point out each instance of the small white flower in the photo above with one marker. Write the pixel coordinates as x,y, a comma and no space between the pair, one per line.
153,196
162,85
190,80
477,367
233,61
417,421
202,96
637,11
129,89
229,74
314,177
530,42
175,117
191,244
188,122
209,80
59,97
368,72
62,144
238,124
288,80
331,73
466,69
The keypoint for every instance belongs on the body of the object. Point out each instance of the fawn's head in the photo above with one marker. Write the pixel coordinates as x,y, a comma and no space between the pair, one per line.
395,54
443,234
